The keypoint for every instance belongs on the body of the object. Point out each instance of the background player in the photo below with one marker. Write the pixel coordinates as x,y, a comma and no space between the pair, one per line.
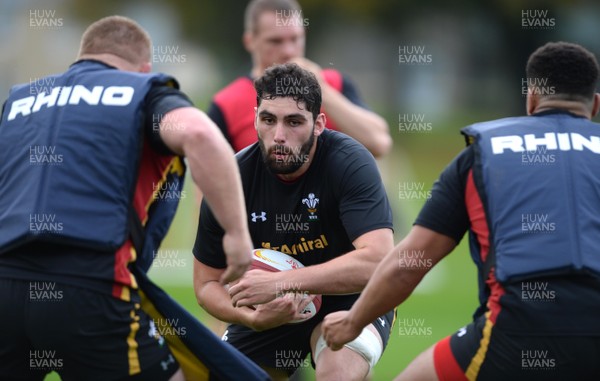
65,208
538,276
274,34
341,239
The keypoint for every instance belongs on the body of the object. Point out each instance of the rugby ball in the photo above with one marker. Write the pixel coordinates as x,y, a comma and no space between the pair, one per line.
271,260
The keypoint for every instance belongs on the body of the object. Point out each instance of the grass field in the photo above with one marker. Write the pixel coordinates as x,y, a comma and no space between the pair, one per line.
442,303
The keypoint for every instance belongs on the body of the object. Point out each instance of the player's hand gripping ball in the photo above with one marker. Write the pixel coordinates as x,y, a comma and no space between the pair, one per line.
273,261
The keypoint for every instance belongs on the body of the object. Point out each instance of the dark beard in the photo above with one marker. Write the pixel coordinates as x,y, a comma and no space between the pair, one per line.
292,162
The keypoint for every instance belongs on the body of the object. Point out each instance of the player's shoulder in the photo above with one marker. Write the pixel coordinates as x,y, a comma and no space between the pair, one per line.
497,122
248,157
339,145
340,152
93,70
516,123
39,85
238,88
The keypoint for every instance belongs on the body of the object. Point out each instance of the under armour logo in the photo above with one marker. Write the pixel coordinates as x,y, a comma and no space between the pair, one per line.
165,364
262,216
462,332
381,321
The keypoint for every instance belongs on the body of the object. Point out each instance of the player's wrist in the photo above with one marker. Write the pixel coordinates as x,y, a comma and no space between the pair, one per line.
252,319
239,232
241,238
244,316
281,284
353,323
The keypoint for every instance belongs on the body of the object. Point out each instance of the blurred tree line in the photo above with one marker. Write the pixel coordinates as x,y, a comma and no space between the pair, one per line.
481,46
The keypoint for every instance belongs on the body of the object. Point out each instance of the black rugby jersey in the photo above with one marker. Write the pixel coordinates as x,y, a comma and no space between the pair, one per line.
314,218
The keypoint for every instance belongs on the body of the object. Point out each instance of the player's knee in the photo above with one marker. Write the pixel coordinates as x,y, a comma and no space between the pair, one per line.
342,365
367,345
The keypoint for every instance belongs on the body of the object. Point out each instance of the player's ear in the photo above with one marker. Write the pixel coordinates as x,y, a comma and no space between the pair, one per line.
596,105
248,41
533,100
320,124
146,67
256,118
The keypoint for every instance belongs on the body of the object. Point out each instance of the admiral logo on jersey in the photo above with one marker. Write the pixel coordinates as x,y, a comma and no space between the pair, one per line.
304,246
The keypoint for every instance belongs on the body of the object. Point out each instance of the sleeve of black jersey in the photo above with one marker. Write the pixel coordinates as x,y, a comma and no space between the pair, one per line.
159,101
364,205
216,115
350,91
208,247
445,212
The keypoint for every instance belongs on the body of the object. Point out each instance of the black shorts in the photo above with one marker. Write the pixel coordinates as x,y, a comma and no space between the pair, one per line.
484,353
286,347
80,334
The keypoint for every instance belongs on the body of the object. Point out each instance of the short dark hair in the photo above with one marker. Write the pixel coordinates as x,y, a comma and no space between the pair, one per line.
257,7
290,80
569,69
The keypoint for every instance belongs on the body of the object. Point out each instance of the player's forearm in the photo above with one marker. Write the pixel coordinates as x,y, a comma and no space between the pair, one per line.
347,274
214,169
399,273
389,286
188,131
215,300
363,125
